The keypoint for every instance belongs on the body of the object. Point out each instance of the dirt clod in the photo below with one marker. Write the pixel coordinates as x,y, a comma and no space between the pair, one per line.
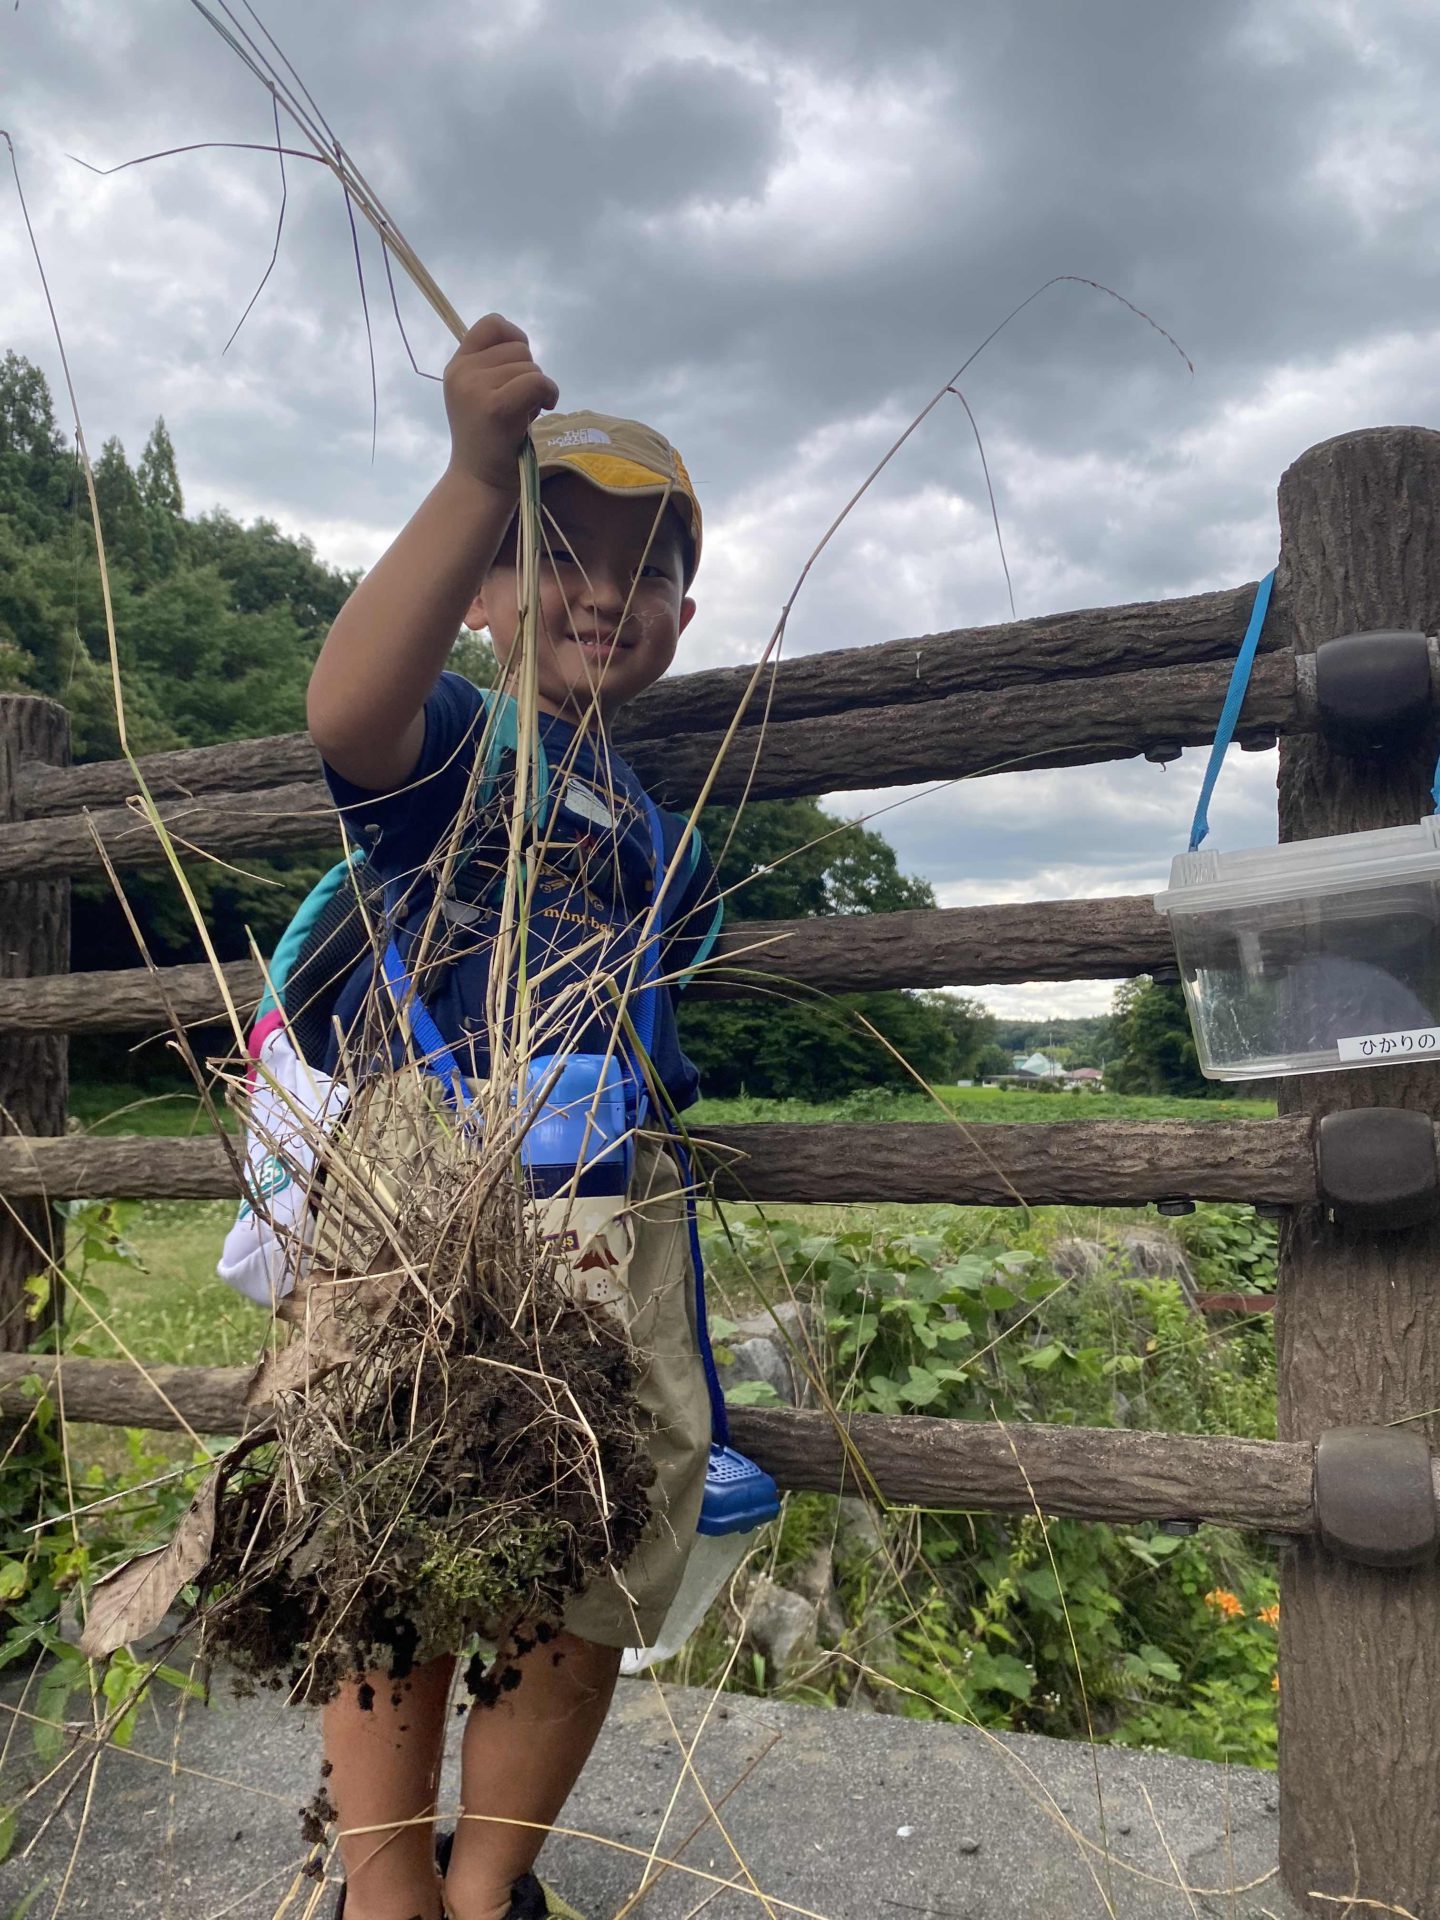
315,1817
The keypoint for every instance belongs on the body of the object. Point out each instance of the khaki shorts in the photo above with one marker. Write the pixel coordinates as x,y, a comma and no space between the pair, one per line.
626,1607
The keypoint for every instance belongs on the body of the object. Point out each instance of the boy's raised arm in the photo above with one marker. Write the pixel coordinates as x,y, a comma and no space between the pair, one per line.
390,641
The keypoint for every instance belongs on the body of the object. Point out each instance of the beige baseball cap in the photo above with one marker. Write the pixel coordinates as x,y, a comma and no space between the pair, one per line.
619,456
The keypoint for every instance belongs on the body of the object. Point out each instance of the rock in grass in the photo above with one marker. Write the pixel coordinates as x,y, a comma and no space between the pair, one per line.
775,1348
781,1626
1075,1259
1150,1253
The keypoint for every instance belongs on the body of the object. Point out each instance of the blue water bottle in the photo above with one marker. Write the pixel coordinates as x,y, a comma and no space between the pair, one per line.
579,1139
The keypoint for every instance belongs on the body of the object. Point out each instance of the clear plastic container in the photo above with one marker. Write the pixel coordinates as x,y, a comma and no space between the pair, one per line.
1313,957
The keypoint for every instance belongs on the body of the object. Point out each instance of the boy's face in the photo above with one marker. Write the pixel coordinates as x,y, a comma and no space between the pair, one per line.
612,597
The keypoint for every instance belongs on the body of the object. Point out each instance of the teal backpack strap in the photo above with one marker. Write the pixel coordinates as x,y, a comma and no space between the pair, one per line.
302,924
502,736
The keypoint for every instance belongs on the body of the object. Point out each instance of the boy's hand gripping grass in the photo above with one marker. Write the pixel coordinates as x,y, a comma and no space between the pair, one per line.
493,390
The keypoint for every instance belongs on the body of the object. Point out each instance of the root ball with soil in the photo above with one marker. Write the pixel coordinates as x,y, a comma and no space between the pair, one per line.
456,1448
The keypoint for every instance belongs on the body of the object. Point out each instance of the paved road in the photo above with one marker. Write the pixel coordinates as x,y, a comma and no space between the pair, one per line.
848,1816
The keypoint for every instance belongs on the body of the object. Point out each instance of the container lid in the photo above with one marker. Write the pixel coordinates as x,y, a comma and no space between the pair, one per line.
1343,862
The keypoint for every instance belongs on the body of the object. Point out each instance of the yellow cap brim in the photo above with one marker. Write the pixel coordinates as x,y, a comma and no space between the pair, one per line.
613,473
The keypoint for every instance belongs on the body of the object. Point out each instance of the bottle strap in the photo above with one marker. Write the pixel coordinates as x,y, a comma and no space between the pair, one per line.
719,1414
1230,712
436,1054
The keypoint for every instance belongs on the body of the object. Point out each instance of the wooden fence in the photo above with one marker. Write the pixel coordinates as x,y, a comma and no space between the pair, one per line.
1350,1484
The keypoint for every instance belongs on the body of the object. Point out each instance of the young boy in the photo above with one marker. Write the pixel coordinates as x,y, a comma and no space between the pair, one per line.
398,737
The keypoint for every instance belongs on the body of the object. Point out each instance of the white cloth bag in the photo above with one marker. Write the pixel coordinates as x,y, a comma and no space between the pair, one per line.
291,1106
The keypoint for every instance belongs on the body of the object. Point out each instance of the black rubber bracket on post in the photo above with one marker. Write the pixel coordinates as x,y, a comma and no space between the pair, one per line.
1376,1168
1375,1495
1372,689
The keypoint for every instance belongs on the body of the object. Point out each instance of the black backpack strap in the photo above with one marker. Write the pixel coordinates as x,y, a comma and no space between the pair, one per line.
338,941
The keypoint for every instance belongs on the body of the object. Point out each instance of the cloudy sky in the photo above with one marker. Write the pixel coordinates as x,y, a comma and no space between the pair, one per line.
775,229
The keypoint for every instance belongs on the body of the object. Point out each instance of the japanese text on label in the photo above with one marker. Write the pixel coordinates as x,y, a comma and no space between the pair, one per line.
1410,1043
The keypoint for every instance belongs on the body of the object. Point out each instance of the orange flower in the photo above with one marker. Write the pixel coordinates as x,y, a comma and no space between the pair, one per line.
1274,1683
1269,1616
1224,1602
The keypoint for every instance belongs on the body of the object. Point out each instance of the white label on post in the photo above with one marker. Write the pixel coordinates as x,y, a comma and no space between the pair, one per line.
1410,1043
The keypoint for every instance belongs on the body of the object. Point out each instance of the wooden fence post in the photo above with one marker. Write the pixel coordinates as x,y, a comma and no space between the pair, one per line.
34,938
1358,1315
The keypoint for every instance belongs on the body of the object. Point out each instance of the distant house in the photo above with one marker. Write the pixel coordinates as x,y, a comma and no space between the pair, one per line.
1084,1077
1038,1066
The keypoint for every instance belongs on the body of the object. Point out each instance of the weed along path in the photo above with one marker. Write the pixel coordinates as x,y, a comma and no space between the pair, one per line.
849,1816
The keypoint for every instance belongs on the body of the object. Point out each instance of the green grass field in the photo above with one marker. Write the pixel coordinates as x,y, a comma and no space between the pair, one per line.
131,1109
990,1104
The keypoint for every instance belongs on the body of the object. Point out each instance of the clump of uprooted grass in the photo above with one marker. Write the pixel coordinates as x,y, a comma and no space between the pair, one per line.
449,1446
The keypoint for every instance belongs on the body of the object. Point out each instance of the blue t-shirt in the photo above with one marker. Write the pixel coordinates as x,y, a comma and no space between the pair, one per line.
590,852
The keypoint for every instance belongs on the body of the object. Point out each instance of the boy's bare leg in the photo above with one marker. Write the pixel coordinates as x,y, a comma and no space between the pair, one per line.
385,1766
521,1758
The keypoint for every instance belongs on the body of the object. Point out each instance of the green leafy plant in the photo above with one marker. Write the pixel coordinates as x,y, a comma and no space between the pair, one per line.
63,1523
1060,1627
1230,1248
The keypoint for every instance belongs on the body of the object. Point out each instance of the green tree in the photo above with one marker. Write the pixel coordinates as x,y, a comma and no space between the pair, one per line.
124,522
971,1026
815,1049
159,484
1151,1046
226,675
36,470
264,567
156,475
789,860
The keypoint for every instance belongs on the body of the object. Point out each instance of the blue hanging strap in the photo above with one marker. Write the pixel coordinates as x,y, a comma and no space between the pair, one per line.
719,1415
436,1055
739,1496
1230,712
645,1034
644,1024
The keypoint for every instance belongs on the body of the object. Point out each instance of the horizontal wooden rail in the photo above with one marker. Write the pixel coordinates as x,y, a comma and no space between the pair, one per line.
116,1393
1099,640
1088,1473
1107,1163
1084,1473
1057,723
279,819
848,953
